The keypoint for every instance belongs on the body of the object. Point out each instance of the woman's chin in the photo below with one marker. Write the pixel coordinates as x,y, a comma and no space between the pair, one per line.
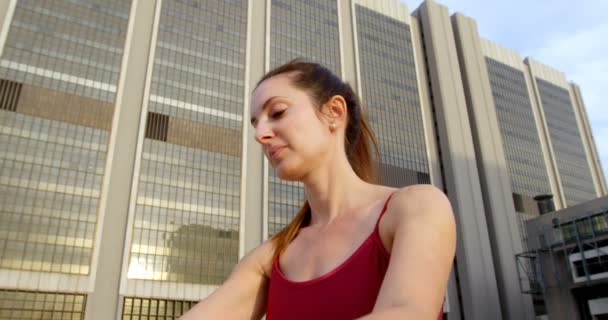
285,172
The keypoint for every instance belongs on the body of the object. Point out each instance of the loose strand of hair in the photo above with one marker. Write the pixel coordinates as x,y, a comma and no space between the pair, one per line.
284,237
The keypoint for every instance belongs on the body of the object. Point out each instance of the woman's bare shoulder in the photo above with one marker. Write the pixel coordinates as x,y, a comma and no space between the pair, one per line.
261,256
416,196
415,202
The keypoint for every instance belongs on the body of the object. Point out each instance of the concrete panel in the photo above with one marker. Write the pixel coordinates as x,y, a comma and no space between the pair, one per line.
392,8
502,54
547,73
60,106
252,153
480,299
452,305
104,301
493,172
194,134
348,45
426,106
559,300
598,306
7,8
597,173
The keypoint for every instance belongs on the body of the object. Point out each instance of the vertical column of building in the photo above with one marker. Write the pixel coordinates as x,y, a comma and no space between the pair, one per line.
348,42
474,255
103,301
253,156
184,233
7,9
59,73
429,124
311,30
493,171
452,303
563,132
599,180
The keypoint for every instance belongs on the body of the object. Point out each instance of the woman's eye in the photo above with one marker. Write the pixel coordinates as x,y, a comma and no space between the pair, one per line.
277,114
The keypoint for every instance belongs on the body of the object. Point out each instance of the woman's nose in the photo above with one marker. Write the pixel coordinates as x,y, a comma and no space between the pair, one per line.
263,133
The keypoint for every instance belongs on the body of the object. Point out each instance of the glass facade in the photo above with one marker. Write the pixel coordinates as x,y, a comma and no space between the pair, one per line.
567,144
137,308
307,29
187,213
58,77
391,98
521,142
25,305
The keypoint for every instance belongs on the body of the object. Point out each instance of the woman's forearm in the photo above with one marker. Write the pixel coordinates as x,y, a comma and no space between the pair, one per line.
399,313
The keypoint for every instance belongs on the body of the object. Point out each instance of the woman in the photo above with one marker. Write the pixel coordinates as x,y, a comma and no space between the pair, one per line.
350,252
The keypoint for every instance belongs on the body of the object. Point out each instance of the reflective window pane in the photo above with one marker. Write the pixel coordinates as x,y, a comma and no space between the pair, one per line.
58,78
186,226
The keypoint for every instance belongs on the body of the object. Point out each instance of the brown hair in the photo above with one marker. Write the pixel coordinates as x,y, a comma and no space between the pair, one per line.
321,84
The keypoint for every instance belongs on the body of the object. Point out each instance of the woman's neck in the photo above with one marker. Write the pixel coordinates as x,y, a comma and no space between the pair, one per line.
334,190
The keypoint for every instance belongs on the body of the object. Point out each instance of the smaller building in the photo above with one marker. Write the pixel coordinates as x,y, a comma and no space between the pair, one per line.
567,260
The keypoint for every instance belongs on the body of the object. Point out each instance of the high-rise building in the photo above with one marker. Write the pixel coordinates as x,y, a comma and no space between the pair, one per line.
130,184
514,146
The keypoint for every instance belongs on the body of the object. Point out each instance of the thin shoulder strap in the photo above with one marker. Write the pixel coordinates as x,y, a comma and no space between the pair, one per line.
383,210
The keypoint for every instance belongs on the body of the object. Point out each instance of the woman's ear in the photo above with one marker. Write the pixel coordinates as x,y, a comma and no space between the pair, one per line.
335,111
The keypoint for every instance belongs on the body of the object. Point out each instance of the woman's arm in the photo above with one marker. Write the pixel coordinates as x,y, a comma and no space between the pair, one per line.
243,295
422,251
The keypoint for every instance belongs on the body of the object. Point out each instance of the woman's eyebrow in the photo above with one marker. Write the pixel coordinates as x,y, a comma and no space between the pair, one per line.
264,106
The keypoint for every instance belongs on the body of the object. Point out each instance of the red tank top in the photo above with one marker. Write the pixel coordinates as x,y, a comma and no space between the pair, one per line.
347,292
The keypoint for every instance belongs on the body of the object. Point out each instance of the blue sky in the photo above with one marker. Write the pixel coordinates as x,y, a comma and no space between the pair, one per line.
571,36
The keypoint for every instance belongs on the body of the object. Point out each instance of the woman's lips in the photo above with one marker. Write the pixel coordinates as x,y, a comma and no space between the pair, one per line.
276,152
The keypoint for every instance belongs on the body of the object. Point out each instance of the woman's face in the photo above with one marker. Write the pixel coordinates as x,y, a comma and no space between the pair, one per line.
295,137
